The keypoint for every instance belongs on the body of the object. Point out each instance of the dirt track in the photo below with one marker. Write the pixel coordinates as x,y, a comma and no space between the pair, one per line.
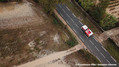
52,57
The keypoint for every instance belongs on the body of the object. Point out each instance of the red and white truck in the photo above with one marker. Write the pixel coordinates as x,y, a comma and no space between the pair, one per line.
87,31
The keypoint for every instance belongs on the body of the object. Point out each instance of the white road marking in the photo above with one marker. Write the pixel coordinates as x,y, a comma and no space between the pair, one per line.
61,15
95,39
113,58
91,42
108,61
104,48
76,25
82,39
81,31
68,23
74,30
98,58
102,55
96,48
68,15
63,10
68,8
73,15
80,22
72,19
86,36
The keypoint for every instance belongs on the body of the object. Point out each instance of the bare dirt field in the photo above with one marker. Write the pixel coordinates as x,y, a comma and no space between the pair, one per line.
113,9
18,15
27,33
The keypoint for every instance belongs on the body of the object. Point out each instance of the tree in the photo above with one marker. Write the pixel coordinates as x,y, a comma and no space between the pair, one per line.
97,13
104,4
10,0
86,4
49,5
108,22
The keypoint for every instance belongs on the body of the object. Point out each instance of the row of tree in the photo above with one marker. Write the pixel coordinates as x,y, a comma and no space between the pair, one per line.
49,5
10,0
98,12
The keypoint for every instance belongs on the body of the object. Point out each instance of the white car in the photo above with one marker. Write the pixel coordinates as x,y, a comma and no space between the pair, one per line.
87,31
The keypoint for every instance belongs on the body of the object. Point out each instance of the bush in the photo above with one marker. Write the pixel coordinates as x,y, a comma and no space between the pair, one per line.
10,0
86,4
108,22
55,21
71,43
37,1
89,57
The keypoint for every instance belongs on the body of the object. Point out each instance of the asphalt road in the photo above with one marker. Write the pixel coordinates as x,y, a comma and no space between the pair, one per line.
91,43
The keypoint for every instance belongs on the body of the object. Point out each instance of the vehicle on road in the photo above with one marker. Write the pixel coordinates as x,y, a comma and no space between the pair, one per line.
87,31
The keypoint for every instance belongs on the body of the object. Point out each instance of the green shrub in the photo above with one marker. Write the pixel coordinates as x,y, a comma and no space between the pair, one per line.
71,42
37,1
55,21
108,22
89,57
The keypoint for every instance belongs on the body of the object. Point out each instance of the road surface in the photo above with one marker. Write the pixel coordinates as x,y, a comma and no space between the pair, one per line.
91,43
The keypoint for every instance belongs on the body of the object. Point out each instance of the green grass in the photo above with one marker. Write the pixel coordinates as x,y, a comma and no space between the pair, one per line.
71,41
89,57
112,49
82,16
1,65
110,46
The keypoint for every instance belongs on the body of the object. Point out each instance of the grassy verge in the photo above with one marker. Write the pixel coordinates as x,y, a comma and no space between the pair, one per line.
71,41
112,49
110,45
81,16
89,57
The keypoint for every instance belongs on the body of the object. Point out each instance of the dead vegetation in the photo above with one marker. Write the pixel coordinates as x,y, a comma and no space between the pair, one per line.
18,30
23,37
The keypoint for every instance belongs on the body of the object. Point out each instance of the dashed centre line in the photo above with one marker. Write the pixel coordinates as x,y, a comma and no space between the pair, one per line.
76,25
102,55
91,42
72,19
96,48
81,31
86,36
80,23
63,10
68,15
